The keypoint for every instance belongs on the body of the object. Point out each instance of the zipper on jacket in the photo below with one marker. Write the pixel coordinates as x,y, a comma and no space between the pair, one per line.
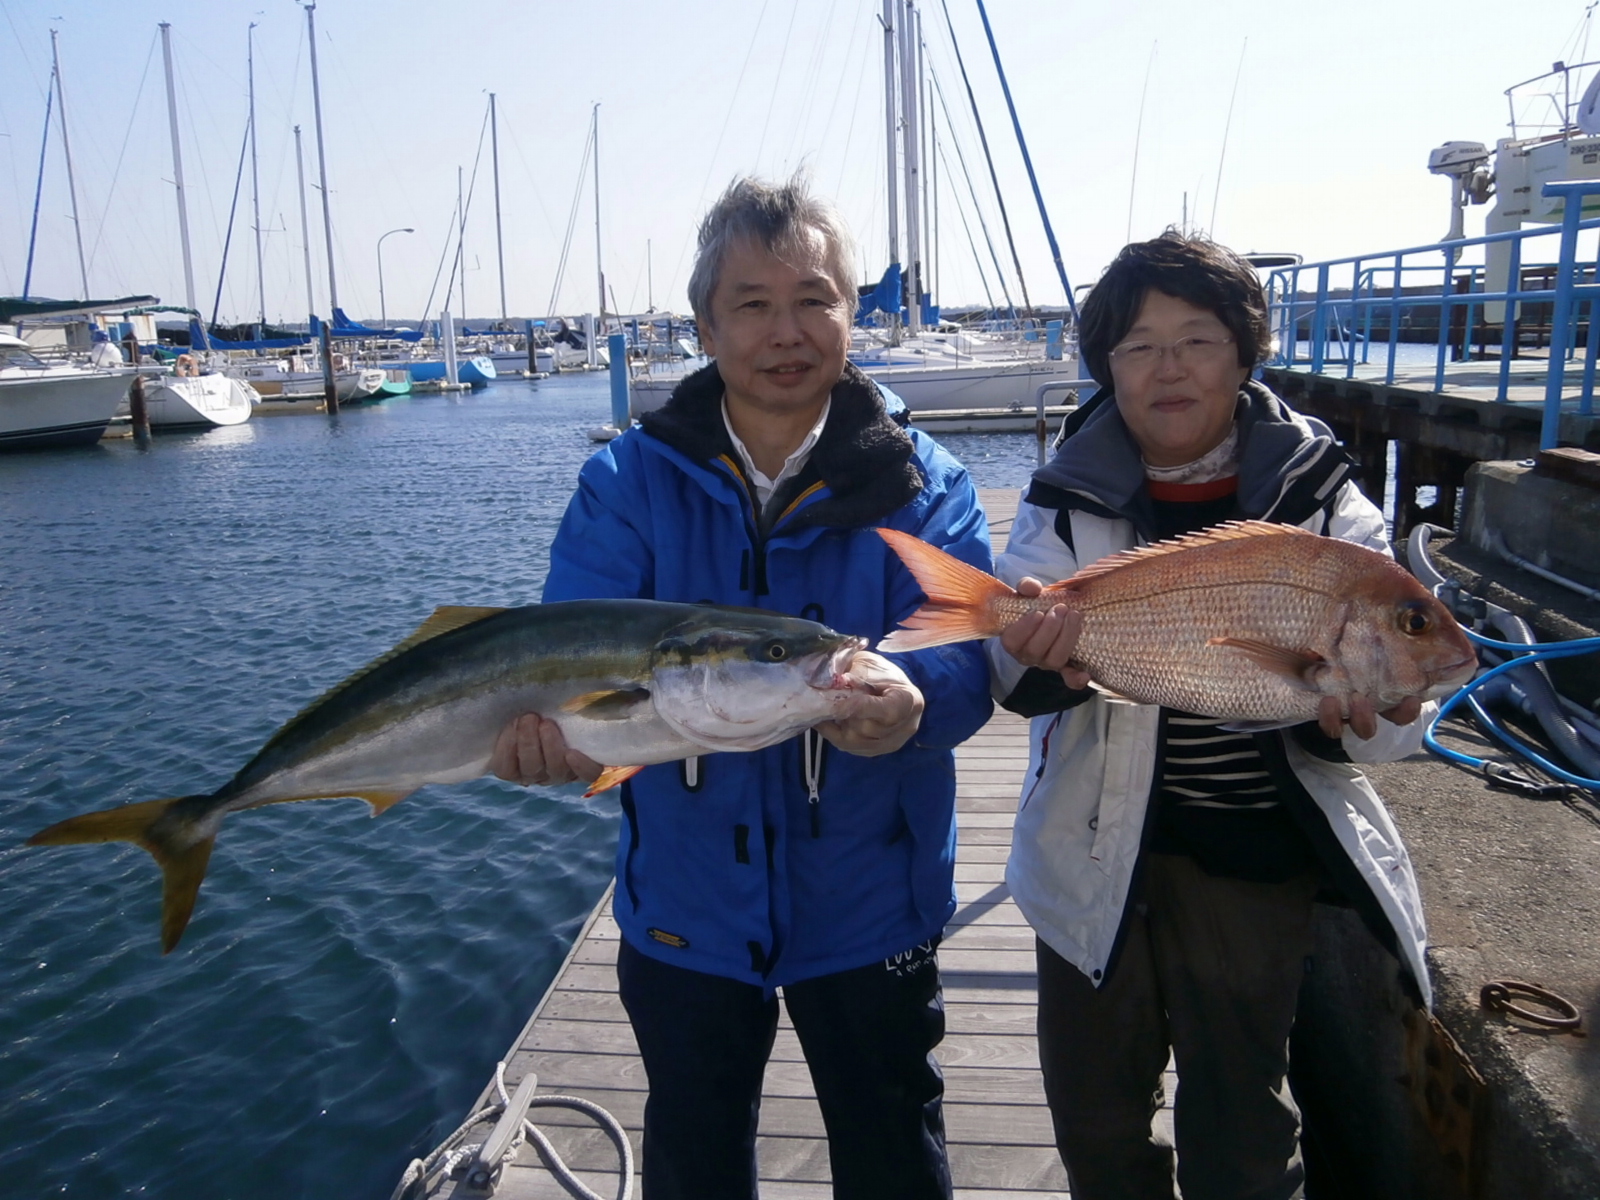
756,555
811,751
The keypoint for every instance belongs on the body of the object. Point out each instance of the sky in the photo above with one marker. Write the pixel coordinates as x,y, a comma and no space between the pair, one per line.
1273,124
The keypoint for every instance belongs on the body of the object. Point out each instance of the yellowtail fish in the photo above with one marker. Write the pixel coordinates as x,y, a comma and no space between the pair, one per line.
630,683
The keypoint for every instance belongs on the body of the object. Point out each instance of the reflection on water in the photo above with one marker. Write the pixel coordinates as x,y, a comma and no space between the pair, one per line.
346,984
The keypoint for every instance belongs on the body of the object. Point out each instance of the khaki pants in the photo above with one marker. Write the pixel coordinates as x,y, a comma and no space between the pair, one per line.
1211,968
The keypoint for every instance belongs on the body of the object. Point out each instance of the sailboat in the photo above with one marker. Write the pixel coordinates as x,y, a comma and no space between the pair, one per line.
935,369
949,378
188,395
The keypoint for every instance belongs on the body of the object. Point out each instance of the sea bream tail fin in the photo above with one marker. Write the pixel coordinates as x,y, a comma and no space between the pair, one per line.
183,859
961,598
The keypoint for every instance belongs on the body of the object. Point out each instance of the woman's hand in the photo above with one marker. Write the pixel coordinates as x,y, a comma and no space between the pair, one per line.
531,750
1046,639
888,713
1363,719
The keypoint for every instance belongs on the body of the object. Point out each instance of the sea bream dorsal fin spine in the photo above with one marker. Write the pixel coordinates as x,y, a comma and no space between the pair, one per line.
445,619
1230,531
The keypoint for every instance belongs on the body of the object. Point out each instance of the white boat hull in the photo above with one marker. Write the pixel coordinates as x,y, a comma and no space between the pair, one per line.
65,407
273,383
174,401
974,384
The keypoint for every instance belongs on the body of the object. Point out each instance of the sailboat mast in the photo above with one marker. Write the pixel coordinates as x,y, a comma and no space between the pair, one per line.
931,152
66,147
322,159
177,168
461,242
599,271
305,224
38,190
255,173
892,130
909,90
499,243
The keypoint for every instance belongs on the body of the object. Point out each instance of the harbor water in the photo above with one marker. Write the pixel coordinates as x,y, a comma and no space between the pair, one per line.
346,984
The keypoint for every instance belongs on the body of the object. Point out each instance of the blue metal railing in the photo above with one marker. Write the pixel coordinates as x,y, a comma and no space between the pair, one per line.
1342,327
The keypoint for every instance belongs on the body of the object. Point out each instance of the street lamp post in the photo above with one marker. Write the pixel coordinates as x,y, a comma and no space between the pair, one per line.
383,312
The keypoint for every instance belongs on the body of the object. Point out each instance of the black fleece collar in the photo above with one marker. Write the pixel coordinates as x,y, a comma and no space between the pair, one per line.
864,458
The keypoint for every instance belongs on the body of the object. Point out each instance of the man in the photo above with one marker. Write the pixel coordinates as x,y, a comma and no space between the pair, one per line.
822,866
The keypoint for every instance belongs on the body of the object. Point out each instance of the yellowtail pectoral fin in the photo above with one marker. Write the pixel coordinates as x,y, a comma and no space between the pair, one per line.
182,860
607,704
610,777
1301,666
961,598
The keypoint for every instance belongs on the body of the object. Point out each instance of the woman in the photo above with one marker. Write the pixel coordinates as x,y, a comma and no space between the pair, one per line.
1167,865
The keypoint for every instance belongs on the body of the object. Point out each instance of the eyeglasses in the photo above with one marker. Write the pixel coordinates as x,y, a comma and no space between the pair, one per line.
1189,351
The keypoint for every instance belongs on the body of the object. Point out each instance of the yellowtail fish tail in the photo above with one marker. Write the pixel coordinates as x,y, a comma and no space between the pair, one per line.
962,600
171,842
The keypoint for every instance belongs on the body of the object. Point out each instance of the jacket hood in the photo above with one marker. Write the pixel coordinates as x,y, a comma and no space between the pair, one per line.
1278,447
866,460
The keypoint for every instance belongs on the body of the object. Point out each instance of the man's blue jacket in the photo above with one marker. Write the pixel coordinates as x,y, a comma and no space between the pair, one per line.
729,865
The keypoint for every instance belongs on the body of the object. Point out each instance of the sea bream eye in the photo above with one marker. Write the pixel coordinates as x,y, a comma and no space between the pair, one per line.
1414,620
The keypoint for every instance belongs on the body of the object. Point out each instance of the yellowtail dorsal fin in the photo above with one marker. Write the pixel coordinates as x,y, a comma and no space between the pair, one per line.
1230,531
445,618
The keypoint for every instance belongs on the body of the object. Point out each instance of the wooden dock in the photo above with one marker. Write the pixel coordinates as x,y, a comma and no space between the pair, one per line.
998,1129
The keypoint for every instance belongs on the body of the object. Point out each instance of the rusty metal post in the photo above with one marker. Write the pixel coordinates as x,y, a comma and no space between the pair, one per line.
330,390
137,408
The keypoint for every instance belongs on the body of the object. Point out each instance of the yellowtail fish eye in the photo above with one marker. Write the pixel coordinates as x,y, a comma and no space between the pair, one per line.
1414,620
776,651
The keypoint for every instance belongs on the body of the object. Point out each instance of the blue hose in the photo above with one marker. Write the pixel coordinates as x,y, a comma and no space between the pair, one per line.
1524,654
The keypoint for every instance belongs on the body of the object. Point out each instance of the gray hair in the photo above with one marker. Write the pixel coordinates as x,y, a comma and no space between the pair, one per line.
779,218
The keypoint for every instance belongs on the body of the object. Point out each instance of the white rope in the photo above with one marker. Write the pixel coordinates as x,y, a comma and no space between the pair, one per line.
453,1152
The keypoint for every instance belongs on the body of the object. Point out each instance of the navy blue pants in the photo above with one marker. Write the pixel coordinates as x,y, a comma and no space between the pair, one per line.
868,1036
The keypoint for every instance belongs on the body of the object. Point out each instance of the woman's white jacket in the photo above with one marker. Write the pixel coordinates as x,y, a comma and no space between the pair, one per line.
1092,768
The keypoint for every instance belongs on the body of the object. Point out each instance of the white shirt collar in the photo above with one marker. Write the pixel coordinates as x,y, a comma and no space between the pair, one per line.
792,465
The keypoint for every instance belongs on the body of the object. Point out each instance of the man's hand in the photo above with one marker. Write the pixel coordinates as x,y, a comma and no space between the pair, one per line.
1046,639
531,750
1363,719
888,713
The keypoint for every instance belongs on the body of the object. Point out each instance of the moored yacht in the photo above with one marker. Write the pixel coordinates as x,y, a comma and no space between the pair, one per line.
53,404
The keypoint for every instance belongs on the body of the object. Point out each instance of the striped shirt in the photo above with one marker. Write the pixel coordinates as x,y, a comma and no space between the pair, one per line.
1215,800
